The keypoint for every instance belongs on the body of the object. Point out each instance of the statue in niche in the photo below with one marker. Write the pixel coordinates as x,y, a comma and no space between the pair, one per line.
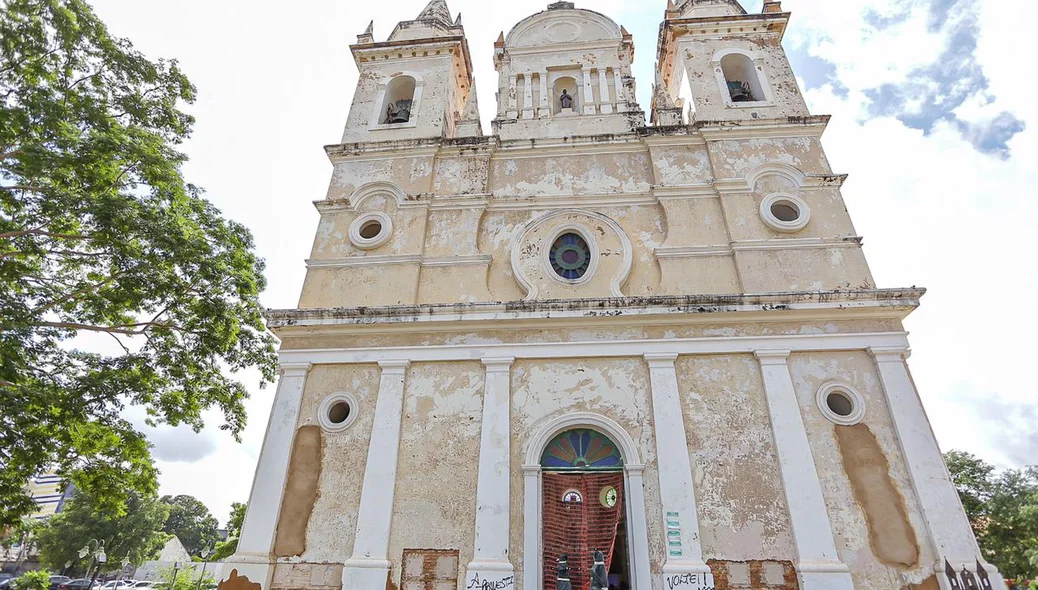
566,100
599,577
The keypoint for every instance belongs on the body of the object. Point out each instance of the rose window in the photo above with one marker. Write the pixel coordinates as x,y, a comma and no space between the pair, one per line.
570,256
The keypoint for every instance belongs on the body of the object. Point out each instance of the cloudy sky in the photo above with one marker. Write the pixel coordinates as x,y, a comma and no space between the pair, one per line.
933,118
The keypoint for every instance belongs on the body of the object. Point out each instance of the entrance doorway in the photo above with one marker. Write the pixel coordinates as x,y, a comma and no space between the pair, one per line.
584,509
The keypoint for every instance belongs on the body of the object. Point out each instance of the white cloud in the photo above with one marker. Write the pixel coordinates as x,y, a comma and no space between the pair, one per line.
275,84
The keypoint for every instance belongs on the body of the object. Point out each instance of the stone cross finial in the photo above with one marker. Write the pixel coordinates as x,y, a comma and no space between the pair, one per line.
561,5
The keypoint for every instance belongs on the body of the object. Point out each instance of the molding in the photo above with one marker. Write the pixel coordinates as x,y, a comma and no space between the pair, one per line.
797,243
857,402
692,251
890,354
294,368
326,406
501,364
457,260
777,224
394,367
400,259
380,239
660,360
539,440
597,349
772,356
630,199
670,310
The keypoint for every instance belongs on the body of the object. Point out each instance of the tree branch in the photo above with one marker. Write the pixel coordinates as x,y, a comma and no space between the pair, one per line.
78,292
11,154
40,232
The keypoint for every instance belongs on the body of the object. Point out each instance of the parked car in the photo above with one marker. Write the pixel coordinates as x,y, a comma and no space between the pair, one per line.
56,581
5,583
118,584
145,584
78,584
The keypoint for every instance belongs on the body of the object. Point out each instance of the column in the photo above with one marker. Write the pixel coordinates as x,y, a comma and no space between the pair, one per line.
819,566
603,91
253,558
618,84
490,563
369,566
946,522
589,96
681,519
528,96
532,521
512,112
545,99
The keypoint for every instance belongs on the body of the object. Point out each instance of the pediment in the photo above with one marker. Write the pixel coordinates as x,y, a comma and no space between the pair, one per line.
563,26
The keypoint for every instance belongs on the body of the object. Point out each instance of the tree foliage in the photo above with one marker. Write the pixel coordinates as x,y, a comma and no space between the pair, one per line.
23,536
101,235
191,522
1003,511
34,580
185,578
135,535
235,521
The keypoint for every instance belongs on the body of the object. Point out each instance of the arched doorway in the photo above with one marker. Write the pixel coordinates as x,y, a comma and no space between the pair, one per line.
583,508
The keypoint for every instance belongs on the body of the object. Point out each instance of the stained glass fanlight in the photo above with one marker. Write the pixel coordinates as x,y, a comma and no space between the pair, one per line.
581,449
570,256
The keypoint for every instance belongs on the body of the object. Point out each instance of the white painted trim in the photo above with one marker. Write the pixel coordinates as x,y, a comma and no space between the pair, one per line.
777,224
808,516
326,406
601,349
594,252
371,189
482,259
370,561
797,243
625,245
385,231
365,261
633,468
666,252
791,173
490,562
683,552
857,403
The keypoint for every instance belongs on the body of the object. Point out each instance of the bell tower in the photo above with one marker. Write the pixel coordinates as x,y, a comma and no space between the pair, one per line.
416,84
730,63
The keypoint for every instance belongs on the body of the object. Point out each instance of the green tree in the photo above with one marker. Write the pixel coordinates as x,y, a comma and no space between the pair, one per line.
1003,510
34,580
23,536
235,521
185,578
191,522
135,535
100,234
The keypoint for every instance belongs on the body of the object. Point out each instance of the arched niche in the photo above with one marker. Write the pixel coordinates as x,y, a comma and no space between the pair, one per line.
398,104
626,459
569,84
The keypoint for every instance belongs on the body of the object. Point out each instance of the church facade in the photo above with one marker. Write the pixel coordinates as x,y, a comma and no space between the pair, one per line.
601,345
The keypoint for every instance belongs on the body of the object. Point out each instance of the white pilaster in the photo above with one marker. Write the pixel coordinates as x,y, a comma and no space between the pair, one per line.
253,557
819,564
681,518
532,519
545,106
513,109
618,83
528,96
639,527
490,563
603,91
946,522
589,95
369,566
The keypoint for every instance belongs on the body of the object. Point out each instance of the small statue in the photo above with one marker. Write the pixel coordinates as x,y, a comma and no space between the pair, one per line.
566,100
599,577
563,582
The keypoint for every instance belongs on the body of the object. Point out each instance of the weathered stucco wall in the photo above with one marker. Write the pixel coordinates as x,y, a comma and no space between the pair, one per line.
434,503
742,510
850,525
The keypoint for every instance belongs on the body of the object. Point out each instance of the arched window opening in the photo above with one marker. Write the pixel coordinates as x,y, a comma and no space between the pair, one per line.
741,76
399,100
565,93
584,508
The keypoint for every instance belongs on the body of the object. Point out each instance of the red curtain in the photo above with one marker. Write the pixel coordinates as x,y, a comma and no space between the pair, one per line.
578,528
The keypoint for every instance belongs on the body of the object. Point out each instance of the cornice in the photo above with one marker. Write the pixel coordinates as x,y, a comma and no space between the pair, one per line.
637,311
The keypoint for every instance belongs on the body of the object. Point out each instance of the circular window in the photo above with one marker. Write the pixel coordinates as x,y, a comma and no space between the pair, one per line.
371,230
337,412
570,256
841,404
785,213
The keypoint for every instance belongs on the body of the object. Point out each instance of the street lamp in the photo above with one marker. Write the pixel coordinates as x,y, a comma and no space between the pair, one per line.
173,584
98,557
206,554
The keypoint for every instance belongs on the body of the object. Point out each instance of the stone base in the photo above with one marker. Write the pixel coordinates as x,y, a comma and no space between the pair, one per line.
365,574
490,575
824,576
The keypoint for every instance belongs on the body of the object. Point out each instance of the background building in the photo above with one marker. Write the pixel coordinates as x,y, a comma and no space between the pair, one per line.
656,337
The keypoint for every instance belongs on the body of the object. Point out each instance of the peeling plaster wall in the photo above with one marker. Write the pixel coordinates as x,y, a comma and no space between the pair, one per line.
850,527
434,503
330,532
742,509
616,388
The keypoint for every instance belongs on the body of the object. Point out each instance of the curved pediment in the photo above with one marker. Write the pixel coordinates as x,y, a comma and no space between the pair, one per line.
566,25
